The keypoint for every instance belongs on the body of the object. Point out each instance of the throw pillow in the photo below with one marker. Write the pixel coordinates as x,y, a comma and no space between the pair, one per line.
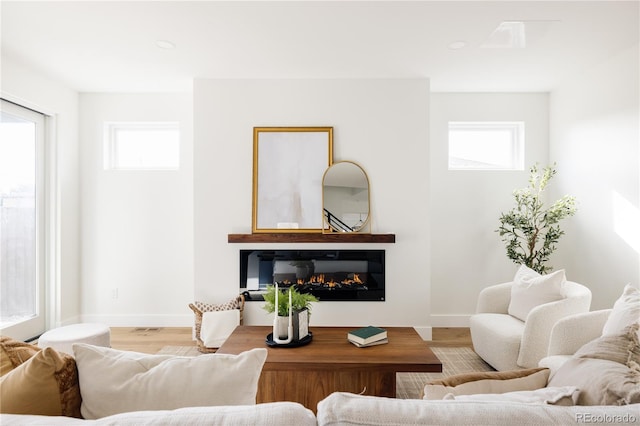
113,381
601,382
606,375
13,353
626,311
622,348
566,395
530,289
488,382
46,384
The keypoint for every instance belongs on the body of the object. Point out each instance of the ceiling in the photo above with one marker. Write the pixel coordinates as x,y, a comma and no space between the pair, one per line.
110,46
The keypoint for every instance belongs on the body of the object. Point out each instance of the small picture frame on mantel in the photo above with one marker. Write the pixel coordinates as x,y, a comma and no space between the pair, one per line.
288,166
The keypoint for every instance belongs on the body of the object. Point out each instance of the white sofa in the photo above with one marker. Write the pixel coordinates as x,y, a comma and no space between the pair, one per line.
349,409
346,409
276,414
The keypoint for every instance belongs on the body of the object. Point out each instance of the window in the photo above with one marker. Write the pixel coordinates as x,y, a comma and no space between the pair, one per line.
22,219
486,145
142,146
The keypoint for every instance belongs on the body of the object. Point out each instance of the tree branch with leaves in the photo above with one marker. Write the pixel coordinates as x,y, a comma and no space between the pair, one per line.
531,231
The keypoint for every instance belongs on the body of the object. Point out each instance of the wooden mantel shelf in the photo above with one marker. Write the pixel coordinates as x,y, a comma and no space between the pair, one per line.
295,237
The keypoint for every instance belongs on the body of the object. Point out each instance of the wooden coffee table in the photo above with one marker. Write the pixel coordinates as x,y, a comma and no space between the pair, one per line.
308,374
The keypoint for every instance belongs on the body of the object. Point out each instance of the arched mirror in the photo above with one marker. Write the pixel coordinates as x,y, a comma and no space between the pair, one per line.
345,198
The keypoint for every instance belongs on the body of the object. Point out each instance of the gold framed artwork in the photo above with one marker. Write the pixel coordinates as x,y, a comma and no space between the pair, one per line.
288,166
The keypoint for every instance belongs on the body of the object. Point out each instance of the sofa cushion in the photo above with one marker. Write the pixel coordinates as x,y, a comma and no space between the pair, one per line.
530,289
346,409
492,382
553,363
566,395
625,312
113,381
496,338
267,414
45,384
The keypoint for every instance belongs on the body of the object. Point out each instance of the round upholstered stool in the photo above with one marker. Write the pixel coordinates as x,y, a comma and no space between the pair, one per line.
62,338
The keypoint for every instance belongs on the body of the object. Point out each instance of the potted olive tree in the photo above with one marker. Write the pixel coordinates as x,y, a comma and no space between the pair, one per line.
298,316
530,230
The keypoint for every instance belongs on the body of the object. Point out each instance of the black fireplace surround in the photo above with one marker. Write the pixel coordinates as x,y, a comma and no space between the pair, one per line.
330,275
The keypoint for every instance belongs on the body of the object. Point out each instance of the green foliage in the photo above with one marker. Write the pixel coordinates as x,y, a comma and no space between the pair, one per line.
298,300
531,231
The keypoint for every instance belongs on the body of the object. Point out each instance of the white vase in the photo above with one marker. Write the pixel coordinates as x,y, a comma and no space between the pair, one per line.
300,325
282,326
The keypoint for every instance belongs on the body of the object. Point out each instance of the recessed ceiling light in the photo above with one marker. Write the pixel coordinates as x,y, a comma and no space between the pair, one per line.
457,45
165,44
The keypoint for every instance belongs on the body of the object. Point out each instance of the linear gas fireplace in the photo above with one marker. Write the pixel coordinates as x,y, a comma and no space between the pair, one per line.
352,275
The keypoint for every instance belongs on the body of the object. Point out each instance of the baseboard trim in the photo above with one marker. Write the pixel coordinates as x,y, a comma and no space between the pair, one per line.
450,320
141,320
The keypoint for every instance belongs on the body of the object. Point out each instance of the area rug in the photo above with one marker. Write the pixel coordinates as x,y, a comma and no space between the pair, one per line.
454,361
408,385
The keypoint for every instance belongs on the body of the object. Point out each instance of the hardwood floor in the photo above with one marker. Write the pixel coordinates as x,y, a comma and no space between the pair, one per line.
151,339
451,337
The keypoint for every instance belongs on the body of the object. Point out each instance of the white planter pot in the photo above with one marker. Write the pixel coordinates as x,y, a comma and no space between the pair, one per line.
300,323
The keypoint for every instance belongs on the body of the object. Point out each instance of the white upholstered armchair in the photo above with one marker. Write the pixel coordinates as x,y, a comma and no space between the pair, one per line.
508,343
570,333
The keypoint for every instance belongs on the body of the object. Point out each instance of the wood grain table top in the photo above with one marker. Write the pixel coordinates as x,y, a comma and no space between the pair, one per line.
405,352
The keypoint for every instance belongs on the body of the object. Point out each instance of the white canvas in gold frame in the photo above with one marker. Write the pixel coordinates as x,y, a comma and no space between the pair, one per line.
288,165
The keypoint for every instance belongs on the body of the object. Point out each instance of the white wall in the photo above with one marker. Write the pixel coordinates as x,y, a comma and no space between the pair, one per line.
380,124
466,254
24,85
595,138
137,226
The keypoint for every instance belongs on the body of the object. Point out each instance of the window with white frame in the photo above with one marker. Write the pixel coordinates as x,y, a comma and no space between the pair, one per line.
142,146
483,145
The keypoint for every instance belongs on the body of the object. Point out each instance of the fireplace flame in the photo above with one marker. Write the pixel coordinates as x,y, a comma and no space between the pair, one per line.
327,281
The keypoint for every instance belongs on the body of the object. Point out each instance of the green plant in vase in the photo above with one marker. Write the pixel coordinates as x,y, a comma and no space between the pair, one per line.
530,231
289,326
299,301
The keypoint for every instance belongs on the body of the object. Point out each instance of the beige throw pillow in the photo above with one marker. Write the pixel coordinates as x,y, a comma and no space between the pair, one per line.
113,381
622,348
45,384
601,382
530,289
607,370
488,382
